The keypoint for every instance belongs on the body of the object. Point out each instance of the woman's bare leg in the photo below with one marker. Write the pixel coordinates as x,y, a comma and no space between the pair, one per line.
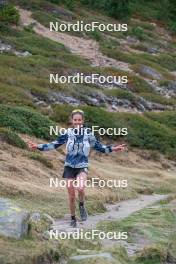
71,196
81,179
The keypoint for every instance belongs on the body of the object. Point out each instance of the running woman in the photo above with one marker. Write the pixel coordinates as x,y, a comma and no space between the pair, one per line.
78,141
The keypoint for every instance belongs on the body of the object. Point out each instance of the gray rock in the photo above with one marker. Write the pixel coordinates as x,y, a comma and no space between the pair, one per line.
40,103
22,54
144,105
35,217
8,48
168,90
57,98
5,47
46,235
132,40
114,107
13,220
92,101
150,72
153,50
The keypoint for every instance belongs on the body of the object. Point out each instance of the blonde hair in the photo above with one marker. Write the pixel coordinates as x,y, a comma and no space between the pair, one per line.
77,111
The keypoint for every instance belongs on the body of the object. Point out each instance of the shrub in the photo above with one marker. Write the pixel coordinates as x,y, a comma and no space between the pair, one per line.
42,159
12,138
167,118
25,121
138,32
9,14
117,9
121,93
142,131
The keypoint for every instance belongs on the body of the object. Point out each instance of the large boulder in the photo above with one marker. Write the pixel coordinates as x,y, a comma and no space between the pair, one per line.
13,220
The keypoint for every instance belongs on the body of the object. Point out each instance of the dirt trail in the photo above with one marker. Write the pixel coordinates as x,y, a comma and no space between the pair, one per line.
86,48
116,211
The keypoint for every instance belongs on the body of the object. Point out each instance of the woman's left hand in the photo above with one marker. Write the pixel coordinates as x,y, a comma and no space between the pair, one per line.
121,147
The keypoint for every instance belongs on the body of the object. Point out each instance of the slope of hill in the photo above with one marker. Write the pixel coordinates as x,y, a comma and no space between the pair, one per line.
145,105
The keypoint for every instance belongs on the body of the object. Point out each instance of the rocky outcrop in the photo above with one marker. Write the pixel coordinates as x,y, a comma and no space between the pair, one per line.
13,220
100,100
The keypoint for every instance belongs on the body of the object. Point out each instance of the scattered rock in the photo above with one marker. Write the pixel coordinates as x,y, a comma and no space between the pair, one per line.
57,98
114,107
22,54
4,47
132,40
151,106
100,100
35,217
168,90
46,235
8,48
152,50
150,72
13,220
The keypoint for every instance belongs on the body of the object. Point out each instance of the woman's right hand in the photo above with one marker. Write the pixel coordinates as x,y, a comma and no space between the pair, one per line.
32,145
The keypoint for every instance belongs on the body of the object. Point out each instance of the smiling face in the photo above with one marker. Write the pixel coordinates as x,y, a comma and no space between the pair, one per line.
77,120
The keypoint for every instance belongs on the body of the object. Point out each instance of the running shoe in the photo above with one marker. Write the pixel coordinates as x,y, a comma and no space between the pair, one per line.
83,212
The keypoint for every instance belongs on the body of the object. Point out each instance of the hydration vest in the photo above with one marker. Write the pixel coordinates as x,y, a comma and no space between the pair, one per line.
78,144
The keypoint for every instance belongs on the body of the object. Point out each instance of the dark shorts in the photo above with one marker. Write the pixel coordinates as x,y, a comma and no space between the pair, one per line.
73,172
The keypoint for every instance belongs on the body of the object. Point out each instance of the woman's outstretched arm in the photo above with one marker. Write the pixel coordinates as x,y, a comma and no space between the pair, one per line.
97,145
50,146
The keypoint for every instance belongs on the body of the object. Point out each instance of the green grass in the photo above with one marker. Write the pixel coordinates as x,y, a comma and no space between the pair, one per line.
162,63
25,121
122,94
41,159
10,137
145,225
167,118
157,98
142,131
9,15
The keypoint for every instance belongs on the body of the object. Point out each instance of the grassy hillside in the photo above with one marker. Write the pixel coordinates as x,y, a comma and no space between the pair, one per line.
146,106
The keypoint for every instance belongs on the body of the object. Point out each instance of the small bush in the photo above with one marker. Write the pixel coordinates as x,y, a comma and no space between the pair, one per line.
121,93
25,121
62,113
42,159
153,254
9,14
12,138
117,9
167,118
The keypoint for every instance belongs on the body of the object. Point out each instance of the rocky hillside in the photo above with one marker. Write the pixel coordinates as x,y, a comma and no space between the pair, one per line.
144,55
145,104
